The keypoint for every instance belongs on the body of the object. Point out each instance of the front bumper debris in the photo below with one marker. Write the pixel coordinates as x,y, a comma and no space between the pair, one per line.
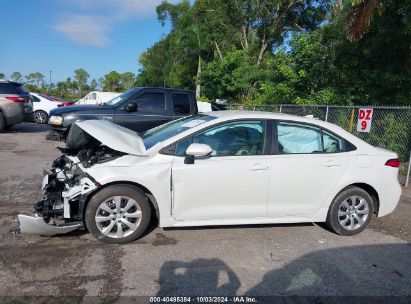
55,135
37,225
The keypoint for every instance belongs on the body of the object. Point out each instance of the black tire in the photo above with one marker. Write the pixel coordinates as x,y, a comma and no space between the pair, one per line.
2,122
40,117
105,194
333,219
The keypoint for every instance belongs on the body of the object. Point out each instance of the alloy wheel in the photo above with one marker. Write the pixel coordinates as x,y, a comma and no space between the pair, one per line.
118,217
353,212
40,117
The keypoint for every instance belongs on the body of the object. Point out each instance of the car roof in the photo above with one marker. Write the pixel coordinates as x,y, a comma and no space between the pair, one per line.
167,89
9,81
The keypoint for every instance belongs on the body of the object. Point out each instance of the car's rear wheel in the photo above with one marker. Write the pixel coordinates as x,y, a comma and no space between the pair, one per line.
41,117
118,214
350,211
2,122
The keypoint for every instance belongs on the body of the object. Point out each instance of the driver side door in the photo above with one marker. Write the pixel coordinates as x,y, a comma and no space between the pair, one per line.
230,184
151,112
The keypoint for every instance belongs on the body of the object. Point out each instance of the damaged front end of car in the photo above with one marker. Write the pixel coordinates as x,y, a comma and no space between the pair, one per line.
64,191
67,185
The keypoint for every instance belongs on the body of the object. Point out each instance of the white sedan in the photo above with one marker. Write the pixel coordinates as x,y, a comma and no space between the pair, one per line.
222,168
42,105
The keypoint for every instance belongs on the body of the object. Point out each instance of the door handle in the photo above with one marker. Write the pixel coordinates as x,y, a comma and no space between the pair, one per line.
258,167
331,164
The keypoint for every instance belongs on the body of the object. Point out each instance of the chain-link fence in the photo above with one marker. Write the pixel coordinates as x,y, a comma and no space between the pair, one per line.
390,127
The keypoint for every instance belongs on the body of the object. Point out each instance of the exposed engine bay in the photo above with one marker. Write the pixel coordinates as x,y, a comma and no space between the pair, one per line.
66,186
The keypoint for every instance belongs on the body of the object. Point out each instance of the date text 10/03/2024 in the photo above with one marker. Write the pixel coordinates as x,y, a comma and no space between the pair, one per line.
199,299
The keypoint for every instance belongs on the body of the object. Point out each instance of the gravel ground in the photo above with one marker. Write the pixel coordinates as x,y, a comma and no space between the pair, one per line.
264,260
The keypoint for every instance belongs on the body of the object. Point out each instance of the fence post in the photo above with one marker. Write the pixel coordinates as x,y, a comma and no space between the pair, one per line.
326,114
351,120
281,108
408,171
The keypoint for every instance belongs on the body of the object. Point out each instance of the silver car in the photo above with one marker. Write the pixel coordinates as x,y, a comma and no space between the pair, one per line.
15,105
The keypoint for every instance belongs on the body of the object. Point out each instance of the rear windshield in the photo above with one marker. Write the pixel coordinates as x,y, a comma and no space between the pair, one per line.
163,132
7,88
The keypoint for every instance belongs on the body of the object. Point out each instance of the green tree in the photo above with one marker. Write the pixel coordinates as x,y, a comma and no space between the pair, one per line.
2,76
81,78
93,85
16,76
127,81
35,79
112,82
232,77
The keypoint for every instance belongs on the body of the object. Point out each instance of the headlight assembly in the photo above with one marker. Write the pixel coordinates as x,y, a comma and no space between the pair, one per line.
56,120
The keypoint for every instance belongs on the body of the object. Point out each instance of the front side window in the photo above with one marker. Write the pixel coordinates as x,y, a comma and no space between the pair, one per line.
181,103
234,139
298,138
151,102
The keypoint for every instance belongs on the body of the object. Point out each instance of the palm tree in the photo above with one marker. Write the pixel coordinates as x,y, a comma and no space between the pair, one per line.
360,16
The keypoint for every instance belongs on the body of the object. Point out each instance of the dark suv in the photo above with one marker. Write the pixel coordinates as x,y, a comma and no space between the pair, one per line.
138,109
15,105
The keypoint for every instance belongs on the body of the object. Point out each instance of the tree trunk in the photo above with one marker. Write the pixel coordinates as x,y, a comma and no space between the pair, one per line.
198,86
220,55
245,37
262,50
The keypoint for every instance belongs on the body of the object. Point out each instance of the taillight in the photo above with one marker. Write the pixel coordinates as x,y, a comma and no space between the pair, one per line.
15,99
395,162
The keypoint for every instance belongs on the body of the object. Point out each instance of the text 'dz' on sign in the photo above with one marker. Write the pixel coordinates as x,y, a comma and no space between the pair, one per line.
364,120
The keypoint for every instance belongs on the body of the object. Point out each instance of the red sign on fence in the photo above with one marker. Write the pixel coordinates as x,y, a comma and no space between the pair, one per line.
364,120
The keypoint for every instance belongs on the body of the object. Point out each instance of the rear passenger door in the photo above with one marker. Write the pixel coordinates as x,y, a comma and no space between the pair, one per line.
308,164
151,111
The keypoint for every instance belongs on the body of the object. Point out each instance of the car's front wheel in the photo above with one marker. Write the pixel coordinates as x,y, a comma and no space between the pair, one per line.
350,211
118,214
41,117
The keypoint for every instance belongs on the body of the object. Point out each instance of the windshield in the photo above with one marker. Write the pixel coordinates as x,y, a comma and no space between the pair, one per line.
119,99
163,132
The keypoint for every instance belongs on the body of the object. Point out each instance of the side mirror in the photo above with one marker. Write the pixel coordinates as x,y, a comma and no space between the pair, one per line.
197,151
131,107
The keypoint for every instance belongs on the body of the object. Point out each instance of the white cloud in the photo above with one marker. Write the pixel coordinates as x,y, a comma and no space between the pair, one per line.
96,17
85,30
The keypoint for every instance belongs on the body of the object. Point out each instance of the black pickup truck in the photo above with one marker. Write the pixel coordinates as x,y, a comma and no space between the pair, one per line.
138,109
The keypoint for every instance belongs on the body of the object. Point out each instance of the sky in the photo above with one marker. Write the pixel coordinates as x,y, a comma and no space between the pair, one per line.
63,35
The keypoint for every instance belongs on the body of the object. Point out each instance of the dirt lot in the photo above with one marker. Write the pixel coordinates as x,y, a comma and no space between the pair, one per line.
253,260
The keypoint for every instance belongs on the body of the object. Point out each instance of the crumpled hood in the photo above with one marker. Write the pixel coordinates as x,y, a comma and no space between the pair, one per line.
114,136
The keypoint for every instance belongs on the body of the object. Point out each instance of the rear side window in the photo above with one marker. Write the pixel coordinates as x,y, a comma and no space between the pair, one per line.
151,102
34,98
298,138
21,90
181,103
332,144
7,88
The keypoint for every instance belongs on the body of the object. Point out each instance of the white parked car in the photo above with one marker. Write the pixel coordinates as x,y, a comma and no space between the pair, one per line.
222,168
42,105
97,97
